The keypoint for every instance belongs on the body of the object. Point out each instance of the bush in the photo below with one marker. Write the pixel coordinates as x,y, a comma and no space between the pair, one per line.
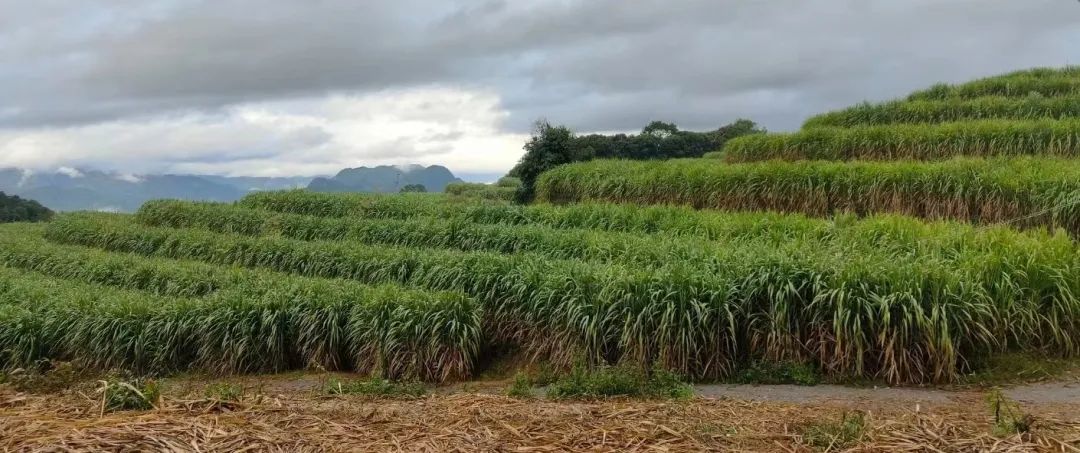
619,381
133,395
521,387
774,373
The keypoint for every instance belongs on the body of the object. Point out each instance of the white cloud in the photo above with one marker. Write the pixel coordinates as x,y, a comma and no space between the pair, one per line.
128,177
429,125
70,172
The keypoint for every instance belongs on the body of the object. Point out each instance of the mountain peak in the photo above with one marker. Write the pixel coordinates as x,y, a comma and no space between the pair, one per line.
386,178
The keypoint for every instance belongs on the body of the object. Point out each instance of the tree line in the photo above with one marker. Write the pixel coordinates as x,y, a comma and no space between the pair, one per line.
551,146
15,209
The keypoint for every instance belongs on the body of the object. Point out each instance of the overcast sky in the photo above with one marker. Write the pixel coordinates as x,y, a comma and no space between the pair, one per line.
286,87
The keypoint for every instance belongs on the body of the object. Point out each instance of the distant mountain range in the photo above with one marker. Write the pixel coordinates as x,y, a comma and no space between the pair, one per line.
69,189
76,189
385,178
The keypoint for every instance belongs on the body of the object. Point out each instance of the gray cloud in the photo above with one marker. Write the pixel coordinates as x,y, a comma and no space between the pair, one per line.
592,64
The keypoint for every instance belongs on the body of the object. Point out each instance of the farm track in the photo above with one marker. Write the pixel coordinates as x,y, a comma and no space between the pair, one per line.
287,415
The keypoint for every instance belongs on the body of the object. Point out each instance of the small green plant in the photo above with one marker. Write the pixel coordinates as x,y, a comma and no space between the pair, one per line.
835,435
773,373
122,395
543,375
225,392
619,381
376,387
1008,418
522,386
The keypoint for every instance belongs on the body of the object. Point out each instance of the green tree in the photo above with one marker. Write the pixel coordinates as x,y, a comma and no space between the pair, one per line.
549,147
15,209
413,188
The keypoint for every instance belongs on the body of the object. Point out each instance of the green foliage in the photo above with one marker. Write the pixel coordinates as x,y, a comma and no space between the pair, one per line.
376,387
521,387
773,373
483,191
132,395
352,204
1028,192
251,321
509,181
413,188
225,392
549,147
945,111
835,436
911,302
619,381
1045,82
1009,420
15,209
552,146
986,138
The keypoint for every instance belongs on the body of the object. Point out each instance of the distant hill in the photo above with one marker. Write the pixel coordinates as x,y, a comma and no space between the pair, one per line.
385,179
15,209
77,189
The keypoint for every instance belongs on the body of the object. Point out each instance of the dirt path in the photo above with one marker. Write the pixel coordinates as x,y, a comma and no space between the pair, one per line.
1062,392
287,413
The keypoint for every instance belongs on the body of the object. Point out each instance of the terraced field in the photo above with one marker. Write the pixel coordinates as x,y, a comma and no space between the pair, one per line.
1001,150
810,249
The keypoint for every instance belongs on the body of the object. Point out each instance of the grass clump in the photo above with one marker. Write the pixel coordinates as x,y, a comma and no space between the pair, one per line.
832,435
774,373
376,387
604,382
225,392
127,395
1009,419
522,387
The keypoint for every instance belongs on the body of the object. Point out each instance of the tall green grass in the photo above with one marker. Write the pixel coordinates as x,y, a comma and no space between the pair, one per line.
395,206
482,191
1027,192
852,307
245,321
672,220
988,138
1043,82
430,232
952,110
